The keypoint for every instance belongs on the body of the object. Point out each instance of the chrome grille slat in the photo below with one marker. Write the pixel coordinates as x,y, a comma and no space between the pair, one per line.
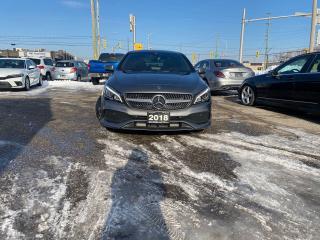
174,101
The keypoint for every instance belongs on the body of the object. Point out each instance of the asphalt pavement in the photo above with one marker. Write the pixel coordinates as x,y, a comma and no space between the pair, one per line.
255,174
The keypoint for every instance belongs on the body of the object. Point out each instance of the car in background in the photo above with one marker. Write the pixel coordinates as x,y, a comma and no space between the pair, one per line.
97,68
17,73
46,66
223,74
295,83
71,70
155,91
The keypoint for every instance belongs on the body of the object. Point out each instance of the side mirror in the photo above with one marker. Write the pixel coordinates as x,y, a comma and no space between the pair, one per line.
31,67
274,73
109,68
201,71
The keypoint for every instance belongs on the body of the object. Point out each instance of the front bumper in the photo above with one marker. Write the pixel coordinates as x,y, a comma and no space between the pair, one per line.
117,115
225,84
12,83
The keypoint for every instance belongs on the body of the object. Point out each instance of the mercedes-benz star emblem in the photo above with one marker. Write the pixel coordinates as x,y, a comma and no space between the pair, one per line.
158,102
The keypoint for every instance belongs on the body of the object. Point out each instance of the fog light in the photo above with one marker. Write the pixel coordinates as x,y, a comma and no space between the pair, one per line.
18,83
141,124
174,125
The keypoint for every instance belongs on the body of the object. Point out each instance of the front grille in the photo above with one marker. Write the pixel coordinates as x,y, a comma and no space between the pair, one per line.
5,85
173,101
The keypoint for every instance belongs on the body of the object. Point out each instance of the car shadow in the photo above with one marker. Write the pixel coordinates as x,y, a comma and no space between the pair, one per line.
305,115
136,193
21,120
224,93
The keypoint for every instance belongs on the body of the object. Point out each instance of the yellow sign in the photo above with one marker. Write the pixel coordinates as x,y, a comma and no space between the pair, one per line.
138,46
257,54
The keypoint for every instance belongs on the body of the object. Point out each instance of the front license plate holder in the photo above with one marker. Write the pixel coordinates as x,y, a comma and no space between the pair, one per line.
158,117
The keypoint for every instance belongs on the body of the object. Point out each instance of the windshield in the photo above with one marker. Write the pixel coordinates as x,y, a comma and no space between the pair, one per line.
36,60
227,63
111,57
161,62
11,63
64,64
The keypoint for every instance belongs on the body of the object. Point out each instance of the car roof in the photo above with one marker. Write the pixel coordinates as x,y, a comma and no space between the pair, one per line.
23,59
38,57
68,61
219,59
155,51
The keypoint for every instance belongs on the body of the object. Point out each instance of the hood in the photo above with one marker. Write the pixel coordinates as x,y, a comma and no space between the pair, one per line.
156,82
9,71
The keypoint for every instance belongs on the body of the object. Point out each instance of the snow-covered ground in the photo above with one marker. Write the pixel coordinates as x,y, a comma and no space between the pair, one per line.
48,85
73,180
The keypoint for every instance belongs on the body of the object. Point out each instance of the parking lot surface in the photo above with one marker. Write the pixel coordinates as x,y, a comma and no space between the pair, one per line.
255,174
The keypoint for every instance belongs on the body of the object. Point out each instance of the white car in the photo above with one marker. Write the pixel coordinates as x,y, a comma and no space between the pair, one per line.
19,73
46,67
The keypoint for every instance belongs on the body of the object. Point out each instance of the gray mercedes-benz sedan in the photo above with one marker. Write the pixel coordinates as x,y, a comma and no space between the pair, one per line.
223,74
157,91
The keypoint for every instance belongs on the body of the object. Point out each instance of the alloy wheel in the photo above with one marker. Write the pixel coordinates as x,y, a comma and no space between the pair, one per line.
247,96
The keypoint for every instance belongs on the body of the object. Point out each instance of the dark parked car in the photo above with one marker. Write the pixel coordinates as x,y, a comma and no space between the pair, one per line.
223,74
294,83
155,90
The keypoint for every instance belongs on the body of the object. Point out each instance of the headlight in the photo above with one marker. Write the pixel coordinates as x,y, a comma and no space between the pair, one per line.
15,75
204,96
111,94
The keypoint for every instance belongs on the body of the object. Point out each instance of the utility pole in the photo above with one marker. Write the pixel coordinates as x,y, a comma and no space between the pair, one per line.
133,28
217,45
243,25
94,30
266,53
313,25
148,41
98,27
128,44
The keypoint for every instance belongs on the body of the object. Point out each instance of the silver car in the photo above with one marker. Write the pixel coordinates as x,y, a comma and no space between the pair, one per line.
71,70
223,74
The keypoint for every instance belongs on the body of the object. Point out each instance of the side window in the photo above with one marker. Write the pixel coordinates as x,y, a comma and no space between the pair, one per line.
205,65
28,64
315,68
32,63
294,66
48,62
197,66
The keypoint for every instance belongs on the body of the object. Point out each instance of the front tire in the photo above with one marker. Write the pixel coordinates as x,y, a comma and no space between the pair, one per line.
99,112
40,81
48,77
27,84
95,81
247,96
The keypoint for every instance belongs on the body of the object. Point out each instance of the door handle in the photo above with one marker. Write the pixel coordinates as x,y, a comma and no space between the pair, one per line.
290,78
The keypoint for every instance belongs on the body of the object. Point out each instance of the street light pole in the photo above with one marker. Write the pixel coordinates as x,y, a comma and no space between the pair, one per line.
243,24
313,25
